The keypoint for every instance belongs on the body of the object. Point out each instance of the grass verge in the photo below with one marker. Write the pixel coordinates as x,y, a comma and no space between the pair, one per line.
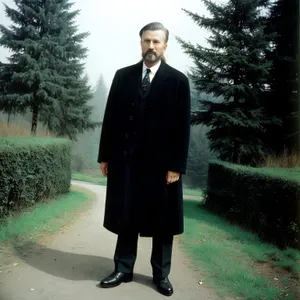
101,180
92,178
193,192
235,262
41,220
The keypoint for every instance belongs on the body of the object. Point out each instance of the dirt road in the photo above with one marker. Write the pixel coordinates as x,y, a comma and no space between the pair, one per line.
71,264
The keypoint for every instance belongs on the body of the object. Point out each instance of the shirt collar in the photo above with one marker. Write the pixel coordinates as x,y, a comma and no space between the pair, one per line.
153,69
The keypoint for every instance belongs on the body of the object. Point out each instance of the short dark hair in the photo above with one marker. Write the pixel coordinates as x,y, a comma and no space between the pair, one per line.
155,26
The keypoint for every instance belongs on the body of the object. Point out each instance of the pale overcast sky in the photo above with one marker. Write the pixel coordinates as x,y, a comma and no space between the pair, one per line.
114,26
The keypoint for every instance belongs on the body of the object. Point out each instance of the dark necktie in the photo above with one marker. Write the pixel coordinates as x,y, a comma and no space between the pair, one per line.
146,80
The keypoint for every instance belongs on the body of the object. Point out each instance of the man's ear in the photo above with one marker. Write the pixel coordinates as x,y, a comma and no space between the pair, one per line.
165,47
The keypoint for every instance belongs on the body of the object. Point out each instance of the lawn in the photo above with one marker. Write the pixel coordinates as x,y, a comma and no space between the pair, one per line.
234,261
98,178
92,178
193,192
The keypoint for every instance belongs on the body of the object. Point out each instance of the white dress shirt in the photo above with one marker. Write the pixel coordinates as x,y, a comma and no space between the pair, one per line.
153,70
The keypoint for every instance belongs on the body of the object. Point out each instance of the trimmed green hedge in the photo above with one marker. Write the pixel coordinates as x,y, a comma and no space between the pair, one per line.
31,170
265,200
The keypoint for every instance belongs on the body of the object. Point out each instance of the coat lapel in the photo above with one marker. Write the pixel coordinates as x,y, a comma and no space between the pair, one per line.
135,82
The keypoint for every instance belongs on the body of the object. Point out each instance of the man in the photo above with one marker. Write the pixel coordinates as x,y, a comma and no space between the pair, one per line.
143,152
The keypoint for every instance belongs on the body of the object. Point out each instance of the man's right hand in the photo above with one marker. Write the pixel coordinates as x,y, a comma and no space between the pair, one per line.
104,168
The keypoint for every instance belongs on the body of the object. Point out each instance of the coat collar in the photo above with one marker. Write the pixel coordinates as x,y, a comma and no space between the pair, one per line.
138,68
153,69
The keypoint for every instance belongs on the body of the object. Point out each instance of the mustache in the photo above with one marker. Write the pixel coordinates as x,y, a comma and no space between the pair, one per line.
150,52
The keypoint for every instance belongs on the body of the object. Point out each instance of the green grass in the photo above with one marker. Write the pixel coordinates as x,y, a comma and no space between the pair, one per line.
225,254
101,180
45,217
193,192
96,178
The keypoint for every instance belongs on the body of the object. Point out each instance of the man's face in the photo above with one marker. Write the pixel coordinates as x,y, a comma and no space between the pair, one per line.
153,45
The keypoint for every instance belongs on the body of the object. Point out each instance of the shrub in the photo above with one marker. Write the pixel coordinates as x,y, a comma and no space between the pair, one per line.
31,170
262,199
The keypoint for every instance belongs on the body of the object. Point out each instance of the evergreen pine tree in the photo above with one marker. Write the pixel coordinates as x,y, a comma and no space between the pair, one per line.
45,69
283,98
235,68
71,117
6,106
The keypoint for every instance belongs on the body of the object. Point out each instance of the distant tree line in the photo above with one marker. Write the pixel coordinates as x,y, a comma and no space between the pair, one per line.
85,149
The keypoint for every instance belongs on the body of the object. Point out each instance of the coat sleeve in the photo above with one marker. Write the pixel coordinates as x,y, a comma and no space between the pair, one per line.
180,135
106,136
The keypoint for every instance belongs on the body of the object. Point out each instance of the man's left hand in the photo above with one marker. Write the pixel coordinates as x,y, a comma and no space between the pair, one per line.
172,177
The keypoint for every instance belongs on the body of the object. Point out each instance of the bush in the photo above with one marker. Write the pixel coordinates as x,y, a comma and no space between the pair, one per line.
31,170
262,199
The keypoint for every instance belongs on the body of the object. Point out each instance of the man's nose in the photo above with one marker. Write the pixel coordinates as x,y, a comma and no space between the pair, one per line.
151,45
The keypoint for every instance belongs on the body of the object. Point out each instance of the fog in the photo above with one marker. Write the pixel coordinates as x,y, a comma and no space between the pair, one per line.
114,32
114,43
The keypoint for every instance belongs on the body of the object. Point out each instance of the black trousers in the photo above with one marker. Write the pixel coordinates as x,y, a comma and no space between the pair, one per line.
126,253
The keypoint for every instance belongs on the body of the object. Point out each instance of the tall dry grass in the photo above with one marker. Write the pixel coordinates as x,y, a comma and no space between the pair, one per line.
21,130
287,159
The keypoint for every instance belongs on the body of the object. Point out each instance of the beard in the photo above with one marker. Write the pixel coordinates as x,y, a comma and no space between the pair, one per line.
151,56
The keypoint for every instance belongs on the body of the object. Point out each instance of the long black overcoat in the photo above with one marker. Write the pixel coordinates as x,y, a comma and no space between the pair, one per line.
137,197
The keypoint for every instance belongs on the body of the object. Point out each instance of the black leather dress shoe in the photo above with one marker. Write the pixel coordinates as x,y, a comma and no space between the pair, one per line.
164,286
115,279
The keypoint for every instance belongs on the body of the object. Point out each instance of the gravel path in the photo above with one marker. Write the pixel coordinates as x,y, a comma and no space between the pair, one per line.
71,264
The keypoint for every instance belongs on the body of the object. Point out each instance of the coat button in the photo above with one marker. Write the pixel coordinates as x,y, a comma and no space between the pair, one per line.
125,153
132,104
126,135
130,118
